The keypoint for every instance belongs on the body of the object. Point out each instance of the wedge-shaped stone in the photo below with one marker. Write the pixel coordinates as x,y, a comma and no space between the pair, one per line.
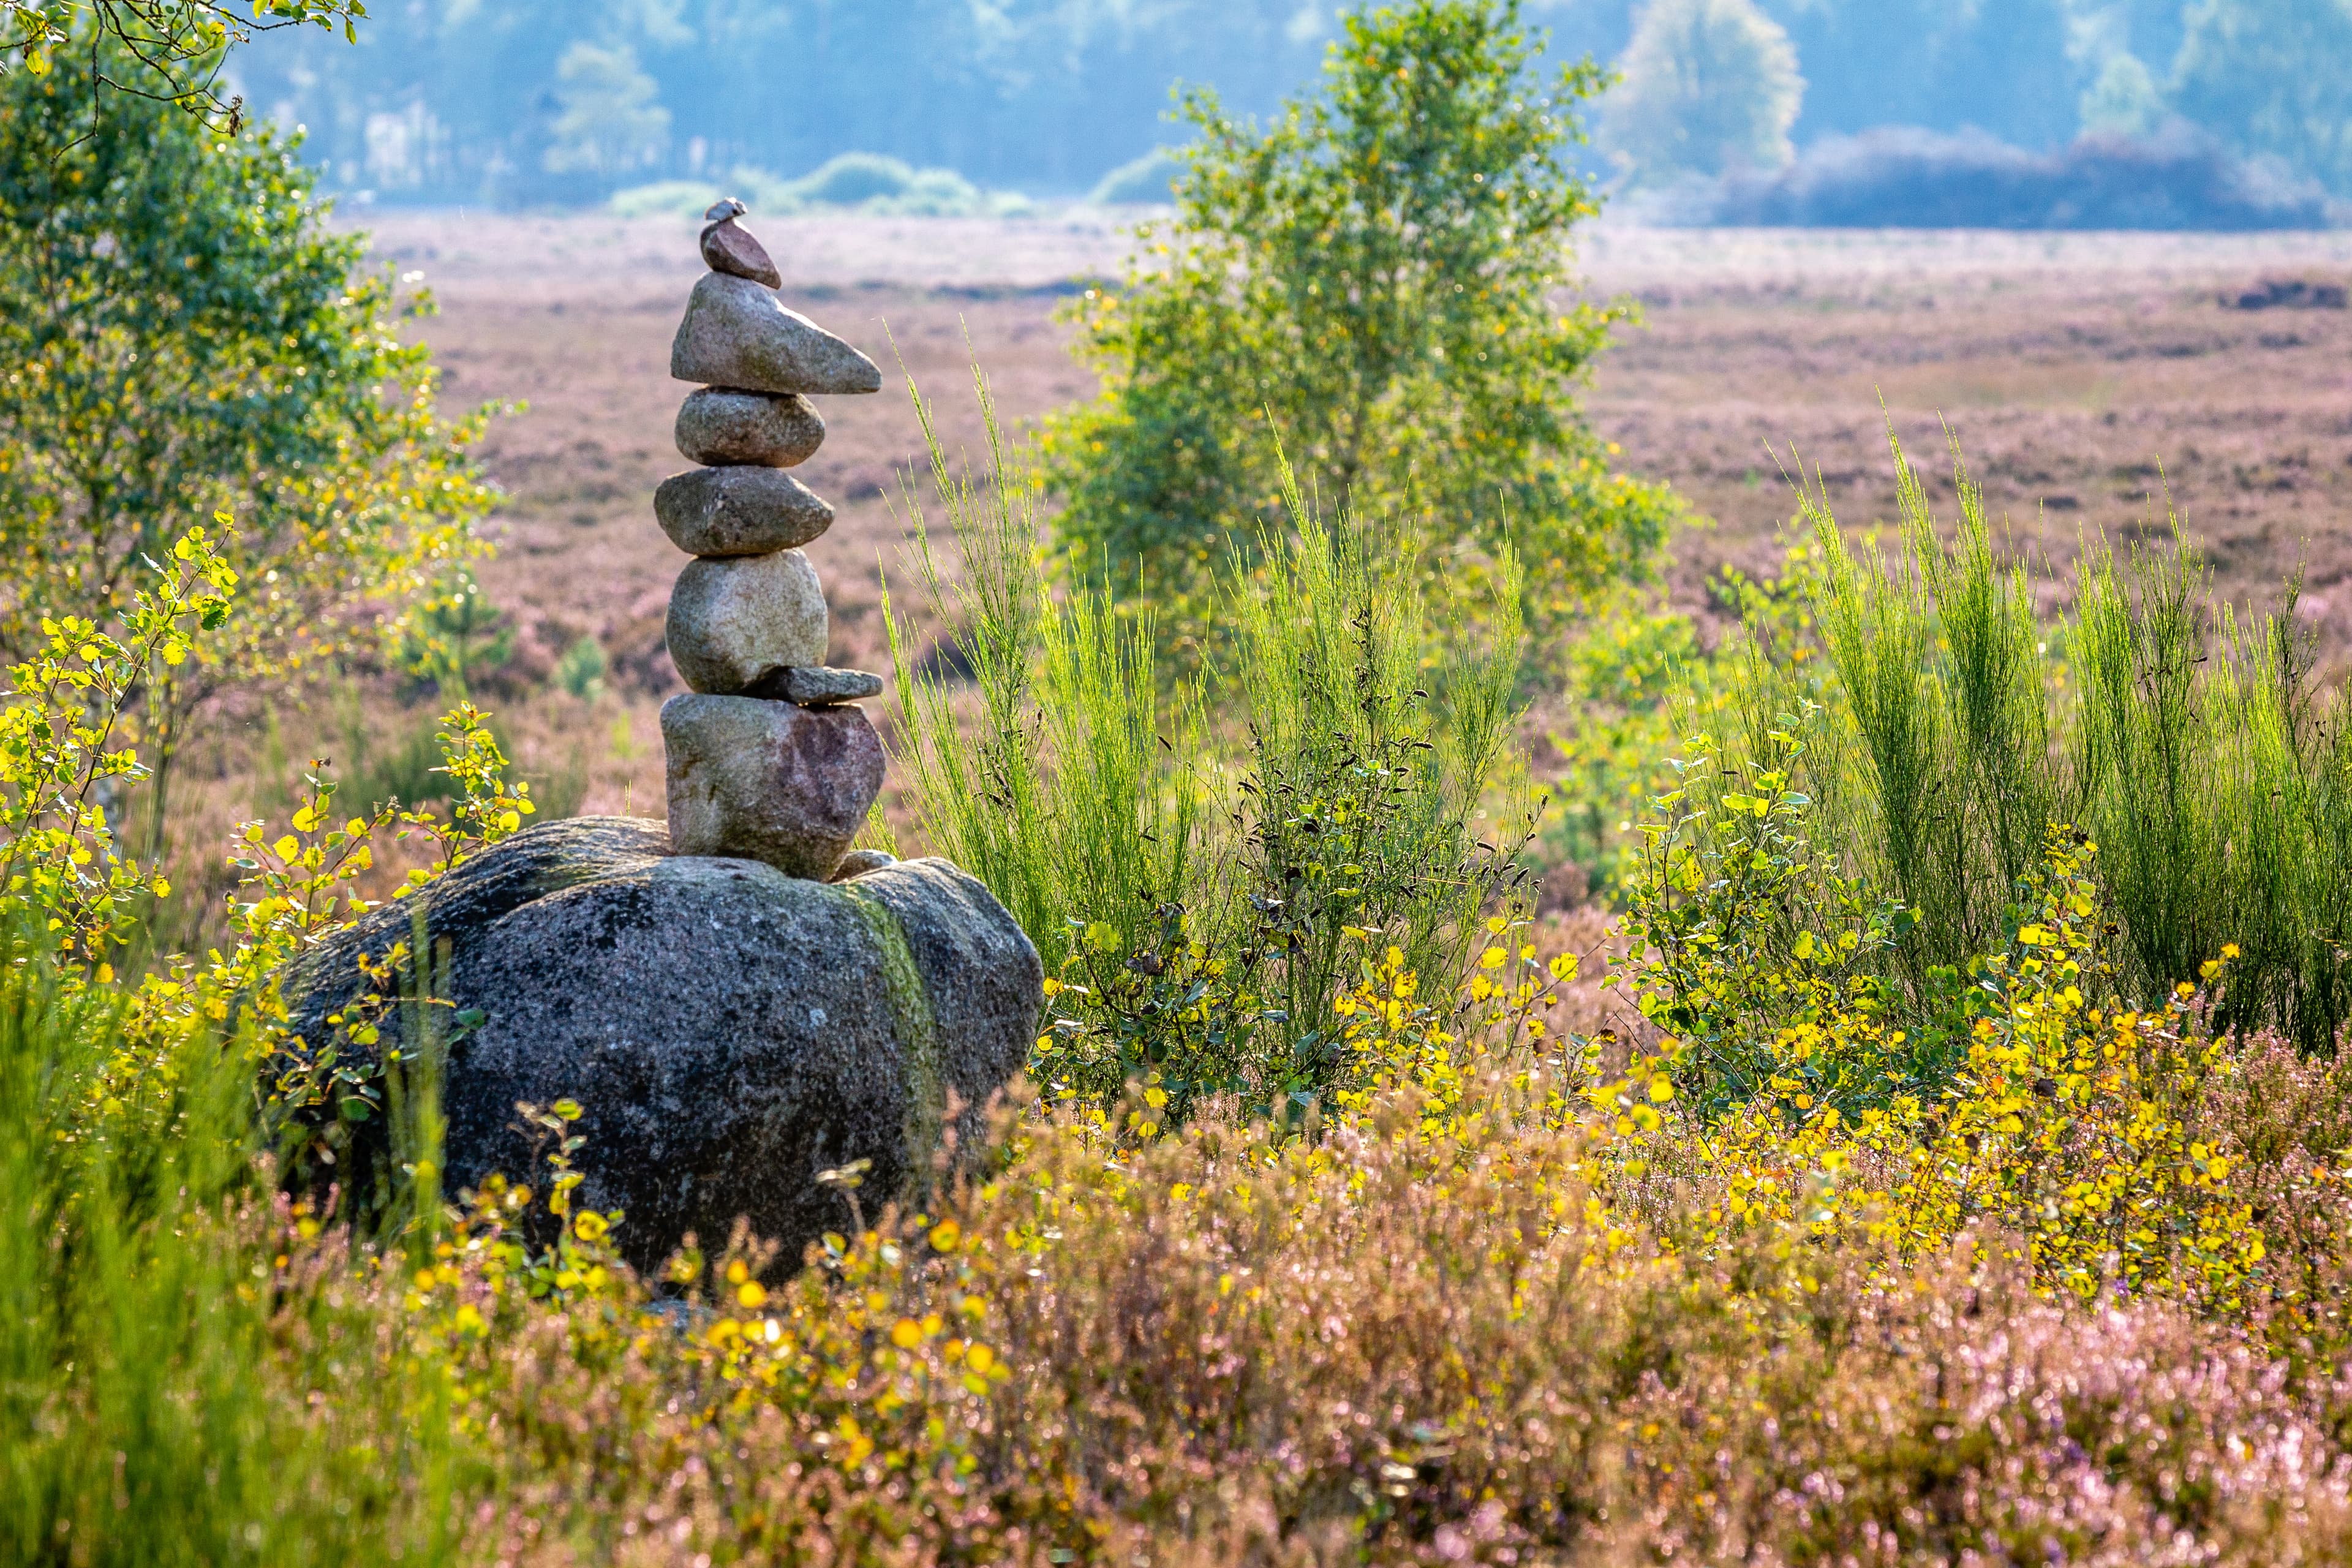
769,781
819,687
735,622
737,334
775,430
728,246
738,511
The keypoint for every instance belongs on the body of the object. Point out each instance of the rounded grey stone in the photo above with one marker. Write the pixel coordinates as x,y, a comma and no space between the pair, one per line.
730,1031
737,334
720,424
736,620
769,781
738,511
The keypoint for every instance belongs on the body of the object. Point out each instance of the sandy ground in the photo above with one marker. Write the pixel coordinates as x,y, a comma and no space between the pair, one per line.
2082,374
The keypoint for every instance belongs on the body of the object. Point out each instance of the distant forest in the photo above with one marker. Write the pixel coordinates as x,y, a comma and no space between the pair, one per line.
553,101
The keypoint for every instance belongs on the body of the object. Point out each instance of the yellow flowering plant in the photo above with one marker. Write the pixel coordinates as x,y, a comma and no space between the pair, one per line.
62,762
2073,1122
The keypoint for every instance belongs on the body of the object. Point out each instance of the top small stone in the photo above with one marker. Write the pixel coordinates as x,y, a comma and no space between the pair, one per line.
728,246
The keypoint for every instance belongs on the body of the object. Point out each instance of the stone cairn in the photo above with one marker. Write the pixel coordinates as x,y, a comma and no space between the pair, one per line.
770,758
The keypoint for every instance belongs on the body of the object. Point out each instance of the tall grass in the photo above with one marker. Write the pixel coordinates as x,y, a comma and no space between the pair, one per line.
1955,722
167,1393
1207,860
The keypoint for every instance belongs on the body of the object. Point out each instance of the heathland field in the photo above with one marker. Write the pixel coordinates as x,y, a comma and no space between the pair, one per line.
2087,376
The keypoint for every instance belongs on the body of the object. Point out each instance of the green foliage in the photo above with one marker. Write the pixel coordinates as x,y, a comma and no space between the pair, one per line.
156,1404
581,670
2124,100
610,123
451,633
1709,86
1620,678
63,876
1204,874
185,336
1365,283
1743,929
179,44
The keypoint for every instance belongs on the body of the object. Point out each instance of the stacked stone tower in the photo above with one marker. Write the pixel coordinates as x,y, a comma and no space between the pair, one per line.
770,758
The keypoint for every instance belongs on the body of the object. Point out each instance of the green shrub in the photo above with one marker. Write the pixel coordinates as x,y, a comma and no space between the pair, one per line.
581,670
1368,283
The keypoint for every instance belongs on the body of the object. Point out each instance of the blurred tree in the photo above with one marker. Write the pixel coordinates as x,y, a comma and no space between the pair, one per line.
2273,77
1708,86
1998,65
1369,278
613,124
173,49
2124,100
184,335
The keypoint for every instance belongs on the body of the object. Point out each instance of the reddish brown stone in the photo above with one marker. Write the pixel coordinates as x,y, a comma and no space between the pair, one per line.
728,246
769,781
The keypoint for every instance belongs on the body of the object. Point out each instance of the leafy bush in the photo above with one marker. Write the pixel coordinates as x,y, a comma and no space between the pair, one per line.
1367,283
185,336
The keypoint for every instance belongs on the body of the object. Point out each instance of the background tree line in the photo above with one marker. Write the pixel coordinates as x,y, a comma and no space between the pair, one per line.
533,101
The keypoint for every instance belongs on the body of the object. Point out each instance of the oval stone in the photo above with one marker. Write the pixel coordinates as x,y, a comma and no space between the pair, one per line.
720,425
738,511
735,621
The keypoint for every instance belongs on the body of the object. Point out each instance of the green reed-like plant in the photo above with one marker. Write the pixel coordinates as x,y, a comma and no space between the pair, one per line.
2197,748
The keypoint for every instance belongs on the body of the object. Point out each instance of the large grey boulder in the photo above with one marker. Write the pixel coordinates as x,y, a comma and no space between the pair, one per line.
730,1031
737,334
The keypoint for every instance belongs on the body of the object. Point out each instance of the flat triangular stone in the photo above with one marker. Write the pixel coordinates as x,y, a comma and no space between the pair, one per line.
737,334
818,688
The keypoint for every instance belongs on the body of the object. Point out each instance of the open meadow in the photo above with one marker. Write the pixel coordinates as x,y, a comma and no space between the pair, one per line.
2087,376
